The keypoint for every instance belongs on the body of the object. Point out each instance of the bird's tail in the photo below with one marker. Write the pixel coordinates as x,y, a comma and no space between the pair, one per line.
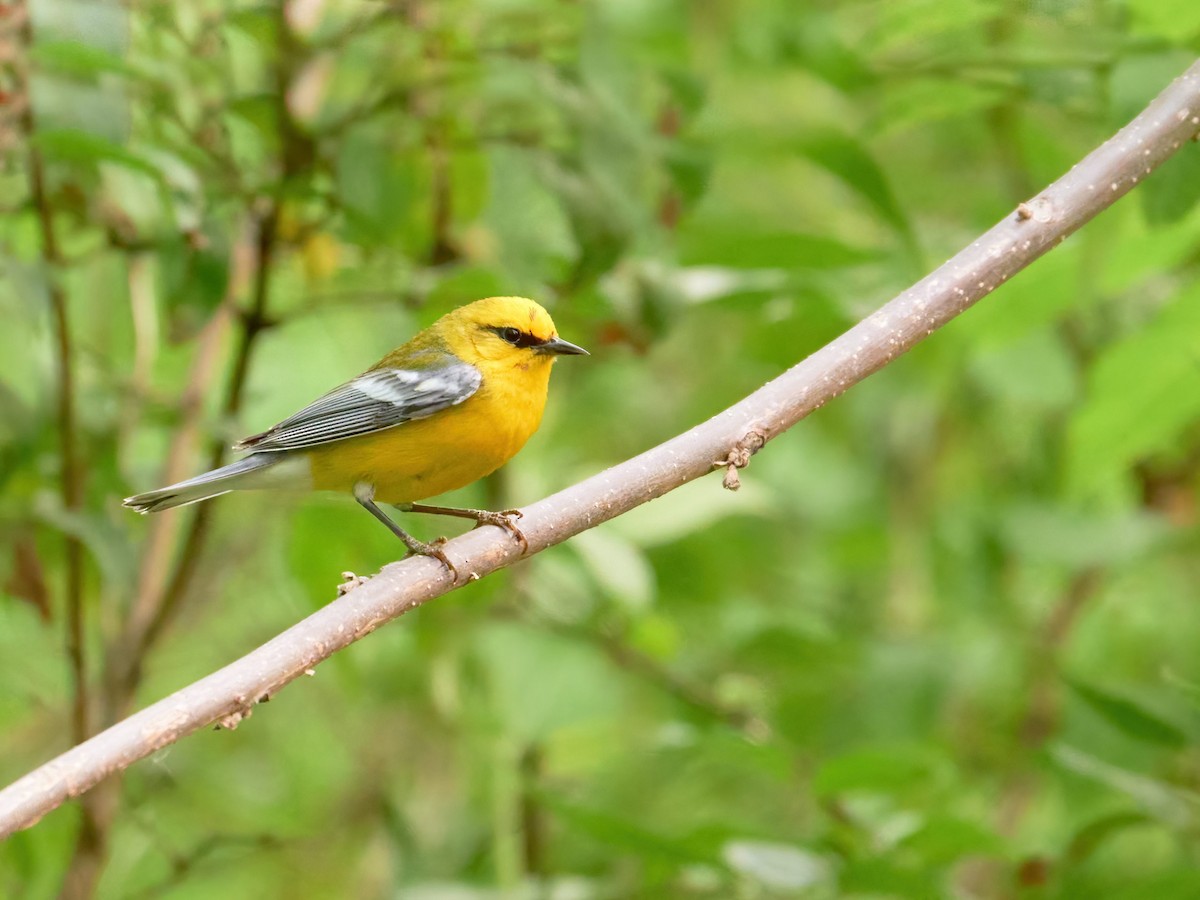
240,474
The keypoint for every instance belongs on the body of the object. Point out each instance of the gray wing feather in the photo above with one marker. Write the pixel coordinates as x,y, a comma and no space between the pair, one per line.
381,398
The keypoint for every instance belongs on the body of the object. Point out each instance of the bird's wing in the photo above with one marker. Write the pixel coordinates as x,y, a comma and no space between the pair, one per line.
378,399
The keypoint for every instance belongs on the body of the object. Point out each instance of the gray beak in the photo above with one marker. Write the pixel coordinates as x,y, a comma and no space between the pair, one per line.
564,348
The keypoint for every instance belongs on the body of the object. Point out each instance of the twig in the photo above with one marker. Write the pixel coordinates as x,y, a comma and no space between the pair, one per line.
1042,718
1093,185
155,559
699,699
1042,713
72,471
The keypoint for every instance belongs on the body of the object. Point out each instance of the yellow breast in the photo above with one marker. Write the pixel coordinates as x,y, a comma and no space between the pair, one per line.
448,450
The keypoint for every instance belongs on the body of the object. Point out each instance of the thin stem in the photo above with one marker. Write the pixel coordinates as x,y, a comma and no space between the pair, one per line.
71,482
90,848
124,658
72,472
254,322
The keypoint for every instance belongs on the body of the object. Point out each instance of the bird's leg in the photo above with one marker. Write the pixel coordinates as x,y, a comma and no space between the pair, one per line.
364,494
504,519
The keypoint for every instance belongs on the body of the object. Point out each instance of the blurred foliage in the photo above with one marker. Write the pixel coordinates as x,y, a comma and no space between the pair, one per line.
943,642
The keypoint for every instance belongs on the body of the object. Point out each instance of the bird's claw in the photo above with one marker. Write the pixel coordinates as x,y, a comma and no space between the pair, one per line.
504,519
433,549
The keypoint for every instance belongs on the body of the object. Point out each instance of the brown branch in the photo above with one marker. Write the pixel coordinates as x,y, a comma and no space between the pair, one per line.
72,473
228,695
72,476
153,572
1043,712
72,470
254,323
983,876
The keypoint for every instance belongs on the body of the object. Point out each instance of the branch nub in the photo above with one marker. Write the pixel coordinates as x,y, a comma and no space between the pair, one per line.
739,457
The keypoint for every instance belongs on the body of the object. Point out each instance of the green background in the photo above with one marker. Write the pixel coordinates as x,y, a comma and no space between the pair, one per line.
945,641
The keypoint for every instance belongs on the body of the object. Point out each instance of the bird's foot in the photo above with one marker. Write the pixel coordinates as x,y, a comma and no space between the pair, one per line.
364,493
432,549
506,519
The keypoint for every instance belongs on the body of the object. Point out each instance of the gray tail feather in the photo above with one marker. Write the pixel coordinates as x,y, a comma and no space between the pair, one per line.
202,487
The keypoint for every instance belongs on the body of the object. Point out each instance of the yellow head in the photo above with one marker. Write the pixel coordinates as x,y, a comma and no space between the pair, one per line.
503,331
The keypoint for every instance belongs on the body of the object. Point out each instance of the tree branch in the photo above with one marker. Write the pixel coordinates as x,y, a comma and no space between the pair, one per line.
72,470
229,694
125,657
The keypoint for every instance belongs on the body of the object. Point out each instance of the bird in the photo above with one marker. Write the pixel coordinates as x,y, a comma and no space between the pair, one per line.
447,408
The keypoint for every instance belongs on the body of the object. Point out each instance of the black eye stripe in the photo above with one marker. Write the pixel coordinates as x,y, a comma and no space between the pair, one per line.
517,337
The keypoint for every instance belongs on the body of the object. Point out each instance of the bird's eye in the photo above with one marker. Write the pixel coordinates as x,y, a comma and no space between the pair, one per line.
512,335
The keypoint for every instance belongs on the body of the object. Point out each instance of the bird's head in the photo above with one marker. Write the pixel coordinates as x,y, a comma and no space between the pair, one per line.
505,330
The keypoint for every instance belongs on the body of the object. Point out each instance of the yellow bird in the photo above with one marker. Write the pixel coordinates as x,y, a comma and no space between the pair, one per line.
449,407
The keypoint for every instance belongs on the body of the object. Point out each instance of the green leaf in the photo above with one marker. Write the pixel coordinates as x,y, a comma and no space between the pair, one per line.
923,23
915,103
81,147
619,566
80,60
885,879
875,770
1170,20
1078,538
1186,687
847,159
818,47
470,176
597,213
1033,374
532,232
1088,839
543,682
747,248
193,277
1136,251
688,90
1142,392
386,192
259,110
1171,192
260,23
944,839
623,832
690,167
1180,884
1176,807
1129,717
691,509
459,285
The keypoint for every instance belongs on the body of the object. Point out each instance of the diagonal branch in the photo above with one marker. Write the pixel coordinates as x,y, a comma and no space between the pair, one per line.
228,695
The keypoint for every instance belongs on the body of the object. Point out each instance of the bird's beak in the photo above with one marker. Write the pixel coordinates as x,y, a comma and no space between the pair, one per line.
561,347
